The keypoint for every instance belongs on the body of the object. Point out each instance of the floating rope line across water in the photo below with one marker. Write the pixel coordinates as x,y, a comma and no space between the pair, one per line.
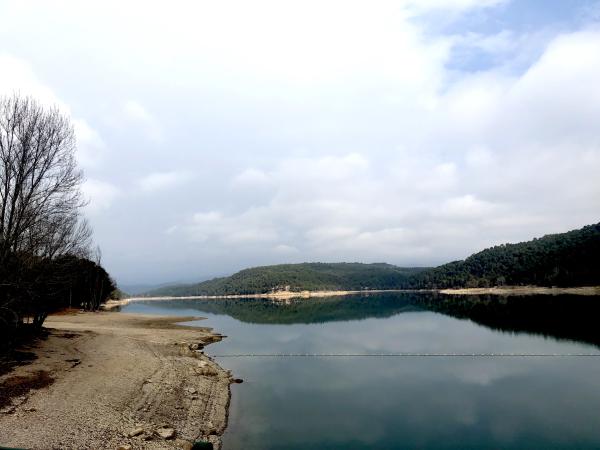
402,355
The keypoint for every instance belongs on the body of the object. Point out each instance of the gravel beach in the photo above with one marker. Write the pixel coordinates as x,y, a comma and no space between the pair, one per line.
110,380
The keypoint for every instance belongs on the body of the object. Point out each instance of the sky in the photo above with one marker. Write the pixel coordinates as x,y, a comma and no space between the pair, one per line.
216,136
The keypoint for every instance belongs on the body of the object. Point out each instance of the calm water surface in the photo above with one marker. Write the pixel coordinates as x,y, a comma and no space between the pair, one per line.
427,402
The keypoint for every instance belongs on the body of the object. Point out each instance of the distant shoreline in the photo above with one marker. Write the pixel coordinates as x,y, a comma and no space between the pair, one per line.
283,295
524,290
288,295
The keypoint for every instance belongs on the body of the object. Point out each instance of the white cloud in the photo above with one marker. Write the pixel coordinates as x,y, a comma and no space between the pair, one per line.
160,181
91,149
251,178
100,195
285,249
479,157
509,167
134,112
227,231
17,76
421,6
361,139
466,207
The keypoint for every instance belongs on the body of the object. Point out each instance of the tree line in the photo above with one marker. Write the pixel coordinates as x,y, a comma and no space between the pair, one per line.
298,277
45,242
566,259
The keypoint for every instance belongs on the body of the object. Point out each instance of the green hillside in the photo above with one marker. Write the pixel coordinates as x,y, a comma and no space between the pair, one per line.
566,259
298,277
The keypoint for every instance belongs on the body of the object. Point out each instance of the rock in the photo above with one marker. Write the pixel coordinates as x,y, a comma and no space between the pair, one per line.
191,390
135,432
166,433
147,436
184,445
237,380
124,447
8,410
207,371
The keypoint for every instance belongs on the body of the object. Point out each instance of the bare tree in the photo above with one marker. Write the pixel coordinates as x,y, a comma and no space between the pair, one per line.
40,198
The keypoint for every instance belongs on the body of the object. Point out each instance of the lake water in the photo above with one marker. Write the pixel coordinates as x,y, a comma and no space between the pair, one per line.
407,402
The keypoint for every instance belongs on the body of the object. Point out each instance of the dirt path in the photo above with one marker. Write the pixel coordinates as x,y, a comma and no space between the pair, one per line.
118,380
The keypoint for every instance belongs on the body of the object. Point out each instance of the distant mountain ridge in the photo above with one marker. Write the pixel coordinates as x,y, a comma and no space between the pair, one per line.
565,259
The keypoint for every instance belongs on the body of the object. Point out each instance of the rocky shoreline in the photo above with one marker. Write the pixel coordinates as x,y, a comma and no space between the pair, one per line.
116,381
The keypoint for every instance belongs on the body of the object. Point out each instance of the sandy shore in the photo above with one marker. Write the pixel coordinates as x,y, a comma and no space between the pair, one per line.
117,381
524,290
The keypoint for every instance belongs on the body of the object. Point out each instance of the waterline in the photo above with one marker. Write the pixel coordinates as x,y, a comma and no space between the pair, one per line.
397,355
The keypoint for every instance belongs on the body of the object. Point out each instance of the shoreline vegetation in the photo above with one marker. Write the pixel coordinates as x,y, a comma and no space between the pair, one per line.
288,295
47,256
152,386
556,260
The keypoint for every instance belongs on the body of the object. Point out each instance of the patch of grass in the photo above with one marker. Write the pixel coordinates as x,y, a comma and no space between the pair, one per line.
18,385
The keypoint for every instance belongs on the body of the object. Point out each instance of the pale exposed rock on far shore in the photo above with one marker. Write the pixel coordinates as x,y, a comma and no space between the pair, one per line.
525,290
280,295
289,295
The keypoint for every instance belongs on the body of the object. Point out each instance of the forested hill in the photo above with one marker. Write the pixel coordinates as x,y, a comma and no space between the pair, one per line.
567,259
298,277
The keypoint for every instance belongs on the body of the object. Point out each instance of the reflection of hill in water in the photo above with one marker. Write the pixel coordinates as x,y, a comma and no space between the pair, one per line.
566,317
561,317
305,311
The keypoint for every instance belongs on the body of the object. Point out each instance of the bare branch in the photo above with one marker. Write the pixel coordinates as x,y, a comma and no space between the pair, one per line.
40,197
